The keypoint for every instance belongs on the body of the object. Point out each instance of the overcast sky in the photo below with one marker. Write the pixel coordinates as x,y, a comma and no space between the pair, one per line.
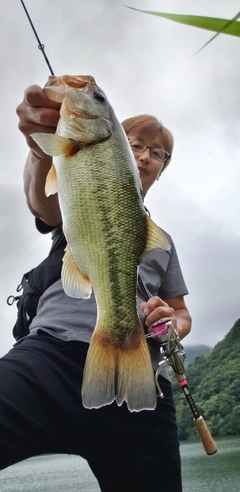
145,64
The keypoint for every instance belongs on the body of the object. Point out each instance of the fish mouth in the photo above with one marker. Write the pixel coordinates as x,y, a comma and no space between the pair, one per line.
75,81
56,87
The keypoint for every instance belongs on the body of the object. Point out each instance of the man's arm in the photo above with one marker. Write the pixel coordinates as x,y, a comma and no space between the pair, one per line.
183,319
37,114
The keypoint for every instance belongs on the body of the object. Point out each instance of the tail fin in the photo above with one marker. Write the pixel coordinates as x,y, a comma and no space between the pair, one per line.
115,374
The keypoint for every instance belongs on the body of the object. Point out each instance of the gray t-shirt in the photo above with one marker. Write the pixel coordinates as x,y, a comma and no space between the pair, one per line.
74,319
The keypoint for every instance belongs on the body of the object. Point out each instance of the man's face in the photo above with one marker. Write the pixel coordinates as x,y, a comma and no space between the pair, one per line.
148,162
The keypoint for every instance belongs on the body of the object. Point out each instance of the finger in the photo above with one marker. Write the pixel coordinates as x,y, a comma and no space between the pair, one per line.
152,304
34,96
159,313
36,108
30,117
37,114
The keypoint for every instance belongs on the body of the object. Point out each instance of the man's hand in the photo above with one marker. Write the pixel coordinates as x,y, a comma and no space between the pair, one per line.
37,114
155,309
175,309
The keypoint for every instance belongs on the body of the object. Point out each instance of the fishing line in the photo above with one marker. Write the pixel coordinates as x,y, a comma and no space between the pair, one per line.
19,172
40,45
11,176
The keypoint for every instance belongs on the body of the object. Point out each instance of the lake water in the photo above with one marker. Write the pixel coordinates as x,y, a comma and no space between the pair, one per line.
217,473
63,473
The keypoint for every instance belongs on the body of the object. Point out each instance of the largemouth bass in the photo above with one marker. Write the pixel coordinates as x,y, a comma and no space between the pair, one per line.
108,232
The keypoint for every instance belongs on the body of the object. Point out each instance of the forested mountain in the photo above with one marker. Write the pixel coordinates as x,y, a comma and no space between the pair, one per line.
193,351
214,381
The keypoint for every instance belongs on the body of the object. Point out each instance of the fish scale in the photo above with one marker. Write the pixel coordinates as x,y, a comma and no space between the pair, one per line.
108,231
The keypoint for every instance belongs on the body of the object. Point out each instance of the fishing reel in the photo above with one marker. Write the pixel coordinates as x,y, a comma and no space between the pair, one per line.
173,355
171,349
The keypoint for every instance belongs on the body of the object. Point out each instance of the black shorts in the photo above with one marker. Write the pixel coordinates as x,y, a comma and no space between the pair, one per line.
41,412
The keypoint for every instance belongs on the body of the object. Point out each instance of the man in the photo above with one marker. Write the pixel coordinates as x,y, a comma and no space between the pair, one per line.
40,378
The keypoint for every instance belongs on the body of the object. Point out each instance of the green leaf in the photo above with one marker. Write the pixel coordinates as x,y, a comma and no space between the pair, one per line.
225,26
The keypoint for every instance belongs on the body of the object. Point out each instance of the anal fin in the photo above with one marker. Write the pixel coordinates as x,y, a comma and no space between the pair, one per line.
75,284
51,182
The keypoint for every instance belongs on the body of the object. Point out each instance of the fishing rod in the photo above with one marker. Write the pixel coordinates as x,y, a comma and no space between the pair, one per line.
173,355
40,45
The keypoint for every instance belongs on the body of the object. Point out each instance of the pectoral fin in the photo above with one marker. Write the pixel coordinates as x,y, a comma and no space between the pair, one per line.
51,182
155,238
54,145
74,283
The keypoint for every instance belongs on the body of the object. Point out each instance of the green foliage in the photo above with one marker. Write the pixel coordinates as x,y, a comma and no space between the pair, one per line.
214,380
226,26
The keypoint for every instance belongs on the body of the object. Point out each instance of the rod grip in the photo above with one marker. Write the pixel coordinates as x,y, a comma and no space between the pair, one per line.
206,438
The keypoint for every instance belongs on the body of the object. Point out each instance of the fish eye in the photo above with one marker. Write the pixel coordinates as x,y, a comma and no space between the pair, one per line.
99,96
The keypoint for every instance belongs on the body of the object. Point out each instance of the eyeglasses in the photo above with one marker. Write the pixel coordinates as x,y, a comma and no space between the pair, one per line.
155,153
